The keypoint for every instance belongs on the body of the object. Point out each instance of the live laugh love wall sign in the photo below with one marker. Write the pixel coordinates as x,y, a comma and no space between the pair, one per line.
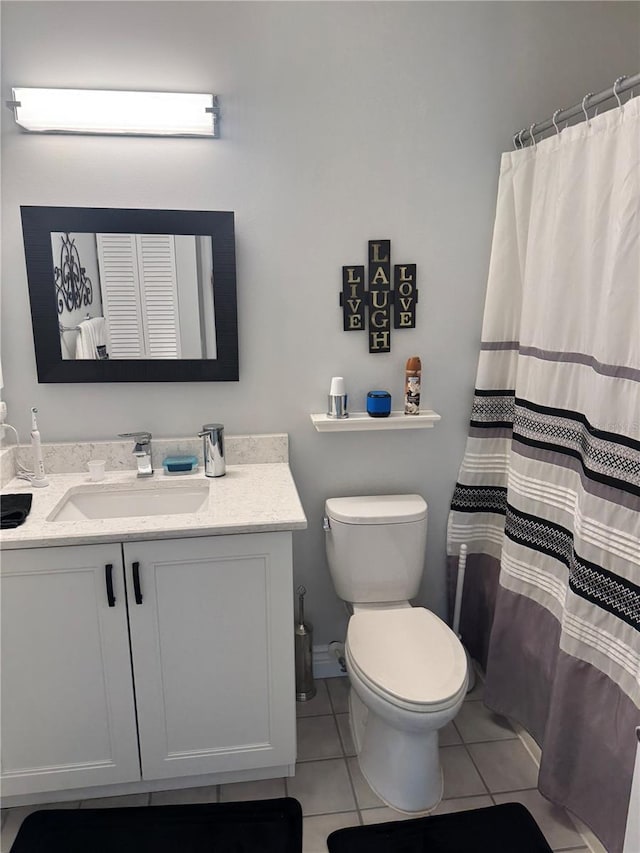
384,304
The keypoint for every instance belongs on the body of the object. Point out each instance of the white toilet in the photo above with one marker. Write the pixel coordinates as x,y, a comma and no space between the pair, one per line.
408,670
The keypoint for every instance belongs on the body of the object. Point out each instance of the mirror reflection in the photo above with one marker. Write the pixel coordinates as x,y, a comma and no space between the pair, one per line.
134,296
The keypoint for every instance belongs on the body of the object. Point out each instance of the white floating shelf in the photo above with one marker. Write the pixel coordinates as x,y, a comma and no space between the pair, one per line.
362,421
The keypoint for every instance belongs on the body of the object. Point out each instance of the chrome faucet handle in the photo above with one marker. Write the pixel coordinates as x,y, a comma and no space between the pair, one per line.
143,437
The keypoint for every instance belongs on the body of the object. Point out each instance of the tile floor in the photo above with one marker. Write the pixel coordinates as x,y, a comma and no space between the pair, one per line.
483,761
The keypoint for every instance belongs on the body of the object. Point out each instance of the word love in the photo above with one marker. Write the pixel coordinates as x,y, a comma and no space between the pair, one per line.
387,308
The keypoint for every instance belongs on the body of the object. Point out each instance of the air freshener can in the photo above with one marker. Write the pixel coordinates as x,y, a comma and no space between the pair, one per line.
412,379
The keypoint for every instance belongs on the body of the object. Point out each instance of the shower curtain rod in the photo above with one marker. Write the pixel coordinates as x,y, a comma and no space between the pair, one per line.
622,84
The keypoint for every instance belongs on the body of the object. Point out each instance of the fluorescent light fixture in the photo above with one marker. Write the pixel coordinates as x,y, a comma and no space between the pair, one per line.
108,112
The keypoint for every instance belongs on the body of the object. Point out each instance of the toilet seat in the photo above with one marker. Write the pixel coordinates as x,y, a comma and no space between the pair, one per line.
408,656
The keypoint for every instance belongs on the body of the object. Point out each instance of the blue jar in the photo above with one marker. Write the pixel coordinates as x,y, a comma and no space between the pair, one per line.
379,404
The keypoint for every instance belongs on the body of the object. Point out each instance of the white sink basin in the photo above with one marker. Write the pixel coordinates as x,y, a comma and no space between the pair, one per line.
94,502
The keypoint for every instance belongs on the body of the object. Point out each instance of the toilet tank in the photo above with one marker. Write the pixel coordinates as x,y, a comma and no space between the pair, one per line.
376,546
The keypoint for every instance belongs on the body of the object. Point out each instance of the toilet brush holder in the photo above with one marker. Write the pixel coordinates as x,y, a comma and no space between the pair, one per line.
305,685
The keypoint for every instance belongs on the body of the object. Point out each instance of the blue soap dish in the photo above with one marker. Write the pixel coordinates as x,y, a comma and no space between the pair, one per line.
180,464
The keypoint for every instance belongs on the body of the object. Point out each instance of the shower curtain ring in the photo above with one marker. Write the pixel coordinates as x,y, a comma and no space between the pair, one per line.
615,90
553,120
531,134
520,132
584,109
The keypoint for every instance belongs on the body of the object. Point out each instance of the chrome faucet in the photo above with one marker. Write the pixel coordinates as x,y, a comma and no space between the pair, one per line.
142,451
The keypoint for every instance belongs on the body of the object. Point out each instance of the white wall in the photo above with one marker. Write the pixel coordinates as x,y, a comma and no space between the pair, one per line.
341,122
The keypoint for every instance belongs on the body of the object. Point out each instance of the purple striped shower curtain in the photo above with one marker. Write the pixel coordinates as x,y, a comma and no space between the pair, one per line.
548,495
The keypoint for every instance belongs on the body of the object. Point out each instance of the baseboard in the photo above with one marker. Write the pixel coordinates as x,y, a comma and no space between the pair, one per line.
589,838
122,789
528,742
324,664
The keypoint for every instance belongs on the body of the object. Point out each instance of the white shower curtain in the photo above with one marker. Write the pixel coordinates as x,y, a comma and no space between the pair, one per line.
548,496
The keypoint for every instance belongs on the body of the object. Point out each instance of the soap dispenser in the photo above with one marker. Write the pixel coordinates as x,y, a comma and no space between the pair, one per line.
212,436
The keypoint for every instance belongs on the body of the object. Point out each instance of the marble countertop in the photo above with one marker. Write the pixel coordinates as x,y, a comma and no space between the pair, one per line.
250,498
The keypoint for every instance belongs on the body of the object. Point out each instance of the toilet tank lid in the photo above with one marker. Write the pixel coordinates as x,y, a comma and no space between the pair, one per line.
377,509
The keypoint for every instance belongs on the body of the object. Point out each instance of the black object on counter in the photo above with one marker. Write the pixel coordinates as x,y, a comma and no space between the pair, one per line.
14,509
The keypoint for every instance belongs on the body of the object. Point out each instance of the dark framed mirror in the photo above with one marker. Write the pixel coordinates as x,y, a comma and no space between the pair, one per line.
121,295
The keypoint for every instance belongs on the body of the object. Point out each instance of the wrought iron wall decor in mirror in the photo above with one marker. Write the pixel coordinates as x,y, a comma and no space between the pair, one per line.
123,295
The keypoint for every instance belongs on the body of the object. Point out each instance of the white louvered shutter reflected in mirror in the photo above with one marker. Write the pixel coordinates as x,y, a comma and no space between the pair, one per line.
139,291
117,260
158,289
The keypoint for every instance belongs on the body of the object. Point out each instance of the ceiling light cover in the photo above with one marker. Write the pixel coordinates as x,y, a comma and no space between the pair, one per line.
110,112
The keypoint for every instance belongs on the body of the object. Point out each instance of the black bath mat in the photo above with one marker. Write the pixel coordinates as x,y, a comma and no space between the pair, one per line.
266,826
508,828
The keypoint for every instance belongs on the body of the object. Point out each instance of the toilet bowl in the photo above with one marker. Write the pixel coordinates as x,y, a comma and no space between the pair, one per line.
407,669
408,676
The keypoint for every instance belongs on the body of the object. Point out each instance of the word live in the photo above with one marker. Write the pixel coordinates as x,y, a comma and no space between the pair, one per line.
380,299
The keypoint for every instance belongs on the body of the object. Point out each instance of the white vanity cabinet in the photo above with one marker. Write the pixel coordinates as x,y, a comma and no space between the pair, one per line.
204,642
68,714
212,644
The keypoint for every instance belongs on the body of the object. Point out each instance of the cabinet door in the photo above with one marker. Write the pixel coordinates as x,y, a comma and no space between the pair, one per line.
212,644
68,718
